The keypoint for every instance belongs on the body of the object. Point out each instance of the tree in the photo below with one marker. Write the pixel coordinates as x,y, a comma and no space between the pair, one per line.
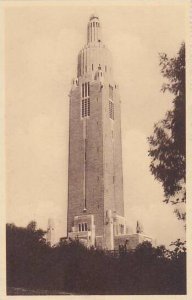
32,226
167,143
26,249
36,268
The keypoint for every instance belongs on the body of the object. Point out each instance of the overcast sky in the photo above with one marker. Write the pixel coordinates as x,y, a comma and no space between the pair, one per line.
42,44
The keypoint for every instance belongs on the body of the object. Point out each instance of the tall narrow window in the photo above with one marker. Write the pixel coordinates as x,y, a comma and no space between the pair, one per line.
85,107
110,92
83,90
79,227
111,109
85,226
85,102
88,107
82,108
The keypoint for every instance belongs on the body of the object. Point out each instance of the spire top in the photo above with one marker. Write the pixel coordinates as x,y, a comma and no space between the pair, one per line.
93,30
93,16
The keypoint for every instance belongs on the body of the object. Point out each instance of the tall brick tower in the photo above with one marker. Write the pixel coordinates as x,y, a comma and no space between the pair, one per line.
95,178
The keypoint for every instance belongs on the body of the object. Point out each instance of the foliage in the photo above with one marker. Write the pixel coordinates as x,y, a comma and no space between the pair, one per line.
24,249
167,144
72,268
179,249
32,226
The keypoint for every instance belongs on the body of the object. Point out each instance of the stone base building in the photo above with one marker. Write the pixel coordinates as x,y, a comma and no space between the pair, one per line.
117,233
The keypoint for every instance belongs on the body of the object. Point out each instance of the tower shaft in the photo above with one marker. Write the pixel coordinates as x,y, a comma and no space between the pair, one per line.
95,179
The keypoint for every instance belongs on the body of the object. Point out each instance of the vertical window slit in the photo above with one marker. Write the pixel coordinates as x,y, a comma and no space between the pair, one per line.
85,102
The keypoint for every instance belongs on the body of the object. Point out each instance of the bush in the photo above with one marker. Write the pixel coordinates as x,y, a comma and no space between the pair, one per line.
70,267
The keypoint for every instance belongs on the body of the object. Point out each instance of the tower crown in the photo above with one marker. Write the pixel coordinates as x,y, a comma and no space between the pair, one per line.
93,55
93,30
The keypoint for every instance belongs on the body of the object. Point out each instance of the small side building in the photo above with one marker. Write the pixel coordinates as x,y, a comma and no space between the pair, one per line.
131,241
117,233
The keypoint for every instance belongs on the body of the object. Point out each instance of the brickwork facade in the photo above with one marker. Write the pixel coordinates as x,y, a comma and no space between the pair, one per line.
95,179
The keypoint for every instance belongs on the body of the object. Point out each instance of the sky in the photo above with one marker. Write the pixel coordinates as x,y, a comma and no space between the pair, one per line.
41,47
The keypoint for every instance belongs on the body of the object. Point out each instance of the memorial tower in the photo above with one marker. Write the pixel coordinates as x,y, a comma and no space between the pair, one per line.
95,178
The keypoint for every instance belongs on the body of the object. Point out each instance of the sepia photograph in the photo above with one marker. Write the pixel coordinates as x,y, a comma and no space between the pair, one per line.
95,147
